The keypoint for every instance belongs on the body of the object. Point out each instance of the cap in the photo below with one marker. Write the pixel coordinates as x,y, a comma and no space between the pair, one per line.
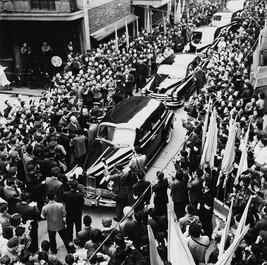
12,242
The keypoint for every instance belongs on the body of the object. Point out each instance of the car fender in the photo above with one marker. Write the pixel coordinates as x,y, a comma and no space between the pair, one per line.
170,120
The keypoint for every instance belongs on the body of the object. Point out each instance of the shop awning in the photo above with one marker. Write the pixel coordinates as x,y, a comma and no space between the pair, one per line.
106,31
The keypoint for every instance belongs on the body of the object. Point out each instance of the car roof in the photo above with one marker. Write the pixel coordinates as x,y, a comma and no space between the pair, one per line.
206,29
132,111
181,62
224,14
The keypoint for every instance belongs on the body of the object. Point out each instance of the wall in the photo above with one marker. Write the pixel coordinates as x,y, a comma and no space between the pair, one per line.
108,13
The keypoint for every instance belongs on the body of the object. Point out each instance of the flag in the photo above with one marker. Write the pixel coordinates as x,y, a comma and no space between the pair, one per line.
127,35
210,146
229,153
205,127
241,230
183,7
242,222
178,250
155,259
227,256
243,163
164,23
226,230
116,38
178,13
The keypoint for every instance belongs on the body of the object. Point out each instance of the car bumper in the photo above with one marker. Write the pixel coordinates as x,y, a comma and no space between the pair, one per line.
168,101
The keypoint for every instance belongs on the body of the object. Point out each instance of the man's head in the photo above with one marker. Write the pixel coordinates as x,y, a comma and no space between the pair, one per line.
87,220
55,171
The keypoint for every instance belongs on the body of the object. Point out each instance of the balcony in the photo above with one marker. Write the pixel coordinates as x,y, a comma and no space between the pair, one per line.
59,6
154,3
40,10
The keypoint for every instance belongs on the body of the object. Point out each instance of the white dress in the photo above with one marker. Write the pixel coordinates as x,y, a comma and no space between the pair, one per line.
3,79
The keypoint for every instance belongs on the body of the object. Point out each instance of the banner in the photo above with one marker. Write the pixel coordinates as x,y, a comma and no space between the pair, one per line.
229,153
155,259
226,230
178,250
210,146
243,163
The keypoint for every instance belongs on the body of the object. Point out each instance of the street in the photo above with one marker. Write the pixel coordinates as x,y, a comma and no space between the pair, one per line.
163,161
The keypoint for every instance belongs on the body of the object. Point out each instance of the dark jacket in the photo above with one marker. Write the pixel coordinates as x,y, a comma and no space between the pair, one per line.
74,201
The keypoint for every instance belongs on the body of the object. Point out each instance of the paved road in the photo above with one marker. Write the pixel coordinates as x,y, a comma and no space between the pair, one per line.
164,157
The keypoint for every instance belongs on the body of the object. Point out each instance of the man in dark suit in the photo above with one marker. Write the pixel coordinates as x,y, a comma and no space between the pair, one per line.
138,189
74,201
121,180
87,231
179,193
29,212
128,83
161,196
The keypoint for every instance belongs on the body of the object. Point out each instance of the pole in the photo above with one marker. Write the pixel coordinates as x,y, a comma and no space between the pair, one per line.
86,26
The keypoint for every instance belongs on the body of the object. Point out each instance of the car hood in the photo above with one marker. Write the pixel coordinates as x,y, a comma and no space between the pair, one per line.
167,86
113,154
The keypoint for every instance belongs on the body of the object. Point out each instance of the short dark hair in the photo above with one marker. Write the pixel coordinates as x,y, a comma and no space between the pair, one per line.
45,245
25,196
160,175
179,175
74,184
87,220
69,259
55,171
43,256
51,196
79,242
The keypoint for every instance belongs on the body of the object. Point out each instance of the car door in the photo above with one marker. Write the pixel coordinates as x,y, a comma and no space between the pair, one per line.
150,134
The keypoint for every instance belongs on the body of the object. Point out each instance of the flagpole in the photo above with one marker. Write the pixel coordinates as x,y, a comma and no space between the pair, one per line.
137,27
116,38
127,35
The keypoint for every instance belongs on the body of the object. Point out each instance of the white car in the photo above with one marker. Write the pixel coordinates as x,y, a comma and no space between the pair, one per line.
220,19
173,82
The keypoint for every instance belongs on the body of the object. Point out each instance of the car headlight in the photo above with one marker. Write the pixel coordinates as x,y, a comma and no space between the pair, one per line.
143,92
174,97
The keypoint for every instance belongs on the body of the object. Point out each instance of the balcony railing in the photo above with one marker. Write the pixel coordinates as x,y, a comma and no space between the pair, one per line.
38,5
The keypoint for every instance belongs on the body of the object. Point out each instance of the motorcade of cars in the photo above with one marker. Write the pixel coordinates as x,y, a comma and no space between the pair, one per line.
172,83
136,121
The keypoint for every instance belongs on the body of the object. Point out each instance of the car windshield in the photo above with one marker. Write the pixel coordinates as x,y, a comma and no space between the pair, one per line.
117,136
196,37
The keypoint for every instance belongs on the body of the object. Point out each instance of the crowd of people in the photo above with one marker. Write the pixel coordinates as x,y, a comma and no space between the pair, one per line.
43,141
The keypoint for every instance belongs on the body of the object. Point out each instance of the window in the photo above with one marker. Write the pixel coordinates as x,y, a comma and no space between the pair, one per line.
144,131
43,4
106,132
217,18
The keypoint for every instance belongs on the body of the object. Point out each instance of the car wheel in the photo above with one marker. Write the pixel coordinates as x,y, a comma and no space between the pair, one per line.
168,133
